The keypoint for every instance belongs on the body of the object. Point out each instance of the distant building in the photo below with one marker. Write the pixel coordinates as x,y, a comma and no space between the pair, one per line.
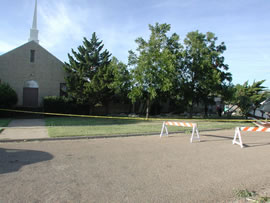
32,71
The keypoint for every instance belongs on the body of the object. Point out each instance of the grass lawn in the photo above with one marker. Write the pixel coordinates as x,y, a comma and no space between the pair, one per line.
67,126
3,123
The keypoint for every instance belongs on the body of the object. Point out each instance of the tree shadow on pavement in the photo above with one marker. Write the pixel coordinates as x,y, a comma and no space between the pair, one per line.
11,160
221,138
255,144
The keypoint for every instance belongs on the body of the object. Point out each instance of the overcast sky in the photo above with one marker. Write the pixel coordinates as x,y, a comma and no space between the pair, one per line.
244,26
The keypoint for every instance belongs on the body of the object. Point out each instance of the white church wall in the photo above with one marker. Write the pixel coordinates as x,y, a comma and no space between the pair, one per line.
16,69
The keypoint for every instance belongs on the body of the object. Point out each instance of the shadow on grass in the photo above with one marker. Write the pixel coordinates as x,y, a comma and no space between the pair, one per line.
11,160
71,121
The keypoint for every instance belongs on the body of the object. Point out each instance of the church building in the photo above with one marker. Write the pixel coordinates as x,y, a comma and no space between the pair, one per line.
32,71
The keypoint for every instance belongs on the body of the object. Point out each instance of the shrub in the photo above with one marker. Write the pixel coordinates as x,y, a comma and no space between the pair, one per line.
8,96
55,104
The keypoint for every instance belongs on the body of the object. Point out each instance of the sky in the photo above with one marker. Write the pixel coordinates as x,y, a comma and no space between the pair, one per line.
243,25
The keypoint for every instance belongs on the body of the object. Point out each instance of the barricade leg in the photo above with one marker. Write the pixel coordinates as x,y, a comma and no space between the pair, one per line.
237,134
195,129
162,130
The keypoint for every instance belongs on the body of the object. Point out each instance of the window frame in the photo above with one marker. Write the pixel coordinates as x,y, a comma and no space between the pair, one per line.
32,55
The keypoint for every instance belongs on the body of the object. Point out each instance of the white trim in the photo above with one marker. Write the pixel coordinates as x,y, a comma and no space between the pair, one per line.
195,129
31,84
237,134
180,124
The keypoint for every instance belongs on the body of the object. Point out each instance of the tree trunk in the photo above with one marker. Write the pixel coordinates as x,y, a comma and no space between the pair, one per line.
147,108
106,108
133,108
205,110
191,110
91,109
141,108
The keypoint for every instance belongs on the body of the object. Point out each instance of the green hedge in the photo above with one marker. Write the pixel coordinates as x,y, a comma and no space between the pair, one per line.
8,96
54,104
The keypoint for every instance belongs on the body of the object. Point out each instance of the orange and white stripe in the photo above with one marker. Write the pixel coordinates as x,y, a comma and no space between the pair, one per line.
254,129
237,135
183,124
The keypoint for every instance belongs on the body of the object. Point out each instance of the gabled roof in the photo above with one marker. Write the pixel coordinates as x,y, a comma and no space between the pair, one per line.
31,43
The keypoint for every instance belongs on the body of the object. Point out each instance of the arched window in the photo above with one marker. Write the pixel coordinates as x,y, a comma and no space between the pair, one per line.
31,84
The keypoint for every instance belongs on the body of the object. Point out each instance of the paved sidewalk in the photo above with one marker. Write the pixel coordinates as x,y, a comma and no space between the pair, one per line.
21,129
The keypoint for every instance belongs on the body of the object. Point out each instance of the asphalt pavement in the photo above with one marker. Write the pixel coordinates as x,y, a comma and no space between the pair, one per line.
135,169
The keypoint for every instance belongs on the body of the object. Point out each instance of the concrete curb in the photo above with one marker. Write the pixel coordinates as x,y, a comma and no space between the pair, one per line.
89,137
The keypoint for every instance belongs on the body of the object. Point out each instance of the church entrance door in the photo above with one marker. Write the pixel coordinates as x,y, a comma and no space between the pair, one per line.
30,94
30,97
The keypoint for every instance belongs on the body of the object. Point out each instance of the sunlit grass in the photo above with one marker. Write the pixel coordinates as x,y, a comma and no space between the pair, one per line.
68,126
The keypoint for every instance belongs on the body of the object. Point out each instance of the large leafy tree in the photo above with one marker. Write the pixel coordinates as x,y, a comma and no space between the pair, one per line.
257,94
154,64
249,97
121,80
204,73
89,76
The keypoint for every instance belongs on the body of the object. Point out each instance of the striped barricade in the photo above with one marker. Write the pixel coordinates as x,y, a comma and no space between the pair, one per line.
237,135
181,124
263,124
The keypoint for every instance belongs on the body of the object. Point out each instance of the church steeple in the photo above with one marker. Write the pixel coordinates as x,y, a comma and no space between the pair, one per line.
34,30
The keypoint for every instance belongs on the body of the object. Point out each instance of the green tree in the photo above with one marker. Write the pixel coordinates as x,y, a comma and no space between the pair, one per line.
121,80
249,97
154,64
89,77
204,73
242,99
257,94
228,92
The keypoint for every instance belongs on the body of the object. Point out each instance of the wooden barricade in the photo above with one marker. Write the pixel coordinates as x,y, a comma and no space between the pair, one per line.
181,124
237,135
